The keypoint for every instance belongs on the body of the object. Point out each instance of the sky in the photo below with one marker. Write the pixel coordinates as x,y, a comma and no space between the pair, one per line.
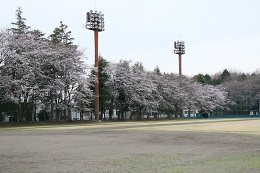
218,34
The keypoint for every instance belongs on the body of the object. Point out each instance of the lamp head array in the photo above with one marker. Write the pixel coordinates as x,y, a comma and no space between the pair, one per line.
179,47
95,21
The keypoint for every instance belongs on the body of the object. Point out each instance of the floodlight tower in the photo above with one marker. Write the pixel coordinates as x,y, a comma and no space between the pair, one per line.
95,22
179,48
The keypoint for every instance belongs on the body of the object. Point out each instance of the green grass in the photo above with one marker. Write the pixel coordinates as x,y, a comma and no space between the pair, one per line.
185,163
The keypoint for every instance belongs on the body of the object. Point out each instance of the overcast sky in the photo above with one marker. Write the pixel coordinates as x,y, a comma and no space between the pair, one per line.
219,34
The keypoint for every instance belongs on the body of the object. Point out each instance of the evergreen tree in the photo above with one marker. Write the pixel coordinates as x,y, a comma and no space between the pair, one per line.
20,26
105,99
225,76
60,35
200,78
207,78
157,70
242,77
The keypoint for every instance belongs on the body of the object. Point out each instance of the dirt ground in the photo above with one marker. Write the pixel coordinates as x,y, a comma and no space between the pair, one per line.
152,147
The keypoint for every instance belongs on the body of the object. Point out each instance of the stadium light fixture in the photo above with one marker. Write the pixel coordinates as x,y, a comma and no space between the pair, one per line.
95,22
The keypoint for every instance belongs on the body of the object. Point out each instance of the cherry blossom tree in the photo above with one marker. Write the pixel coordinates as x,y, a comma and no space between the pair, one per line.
35,70
65,70
21,70
132,86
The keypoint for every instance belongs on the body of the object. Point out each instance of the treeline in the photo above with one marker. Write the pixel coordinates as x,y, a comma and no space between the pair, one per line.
243,89
48,74
131,87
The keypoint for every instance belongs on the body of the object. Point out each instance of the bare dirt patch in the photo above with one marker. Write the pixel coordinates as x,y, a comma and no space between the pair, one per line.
112,148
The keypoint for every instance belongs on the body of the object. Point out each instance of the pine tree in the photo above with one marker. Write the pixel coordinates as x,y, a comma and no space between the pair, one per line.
60,35
157,70
20,26
225,75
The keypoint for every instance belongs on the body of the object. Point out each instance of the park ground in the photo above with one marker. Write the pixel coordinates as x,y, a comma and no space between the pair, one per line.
181,146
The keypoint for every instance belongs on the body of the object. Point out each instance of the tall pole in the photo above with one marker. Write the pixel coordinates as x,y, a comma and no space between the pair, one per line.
179,49
96,77
95,22
180,72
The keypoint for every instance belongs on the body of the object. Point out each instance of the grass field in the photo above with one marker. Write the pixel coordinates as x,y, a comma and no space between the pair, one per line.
185,146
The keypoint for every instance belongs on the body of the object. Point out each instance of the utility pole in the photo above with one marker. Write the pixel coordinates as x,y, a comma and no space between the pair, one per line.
95,22
179,48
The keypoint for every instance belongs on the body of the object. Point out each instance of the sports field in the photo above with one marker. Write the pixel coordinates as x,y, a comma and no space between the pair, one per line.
185,146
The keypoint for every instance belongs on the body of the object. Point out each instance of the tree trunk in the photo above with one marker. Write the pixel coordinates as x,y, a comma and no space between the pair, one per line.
111,109
35,109
176,110
52,108
168,114
131,116
120,116
140,114
81,116
69,114
110,114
